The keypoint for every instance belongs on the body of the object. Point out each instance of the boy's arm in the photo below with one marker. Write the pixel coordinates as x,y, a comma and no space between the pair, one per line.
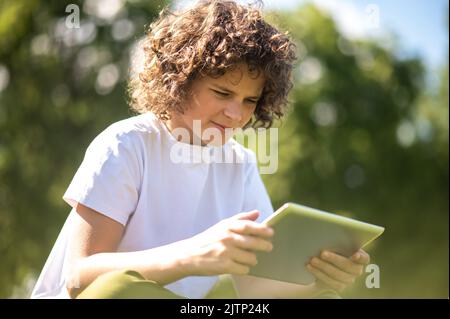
92,252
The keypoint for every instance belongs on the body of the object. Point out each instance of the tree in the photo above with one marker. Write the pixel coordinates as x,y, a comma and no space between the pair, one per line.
356,143
66,84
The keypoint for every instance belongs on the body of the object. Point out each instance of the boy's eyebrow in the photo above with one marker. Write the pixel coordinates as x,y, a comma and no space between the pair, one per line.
230,91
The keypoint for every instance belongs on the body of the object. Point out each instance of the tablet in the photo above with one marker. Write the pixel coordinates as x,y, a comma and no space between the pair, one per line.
301,233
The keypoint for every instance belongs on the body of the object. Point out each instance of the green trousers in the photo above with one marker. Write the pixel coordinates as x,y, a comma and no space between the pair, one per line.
129,284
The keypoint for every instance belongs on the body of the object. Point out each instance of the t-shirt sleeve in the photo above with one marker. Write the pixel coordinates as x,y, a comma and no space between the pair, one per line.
256,196
108,179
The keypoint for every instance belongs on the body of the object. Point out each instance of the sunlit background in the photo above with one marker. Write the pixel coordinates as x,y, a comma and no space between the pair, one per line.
366,137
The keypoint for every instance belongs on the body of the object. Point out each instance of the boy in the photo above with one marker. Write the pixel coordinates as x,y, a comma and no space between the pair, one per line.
146,226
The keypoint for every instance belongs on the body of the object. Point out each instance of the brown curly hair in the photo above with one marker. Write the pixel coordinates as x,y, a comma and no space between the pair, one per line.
209,39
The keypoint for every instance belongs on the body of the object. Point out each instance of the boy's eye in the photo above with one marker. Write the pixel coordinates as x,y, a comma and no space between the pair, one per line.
224,94
221,93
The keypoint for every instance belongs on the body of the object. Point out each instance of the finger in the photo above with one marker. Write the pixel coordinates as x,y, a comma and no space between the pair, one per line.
251,243
237,268
332,271
251,215
343,263
330,282
361,257
245,227
243,257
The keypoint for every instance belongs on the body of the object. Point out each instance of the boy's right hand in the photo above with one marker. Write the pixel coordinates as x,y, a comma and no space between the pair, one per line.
228,246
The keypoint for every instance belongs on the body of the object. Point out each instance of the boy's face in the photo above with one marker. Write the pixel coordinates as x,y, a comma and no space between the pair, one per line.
226,102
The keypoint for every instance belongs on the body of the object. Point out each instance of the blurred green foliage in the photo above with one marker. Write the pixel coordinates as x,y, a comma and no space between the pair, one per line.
65,86
363,138
367,140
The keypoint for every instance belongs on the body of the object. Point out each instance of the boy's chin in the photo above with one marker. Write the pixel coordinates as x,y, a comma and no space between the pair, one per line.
216,142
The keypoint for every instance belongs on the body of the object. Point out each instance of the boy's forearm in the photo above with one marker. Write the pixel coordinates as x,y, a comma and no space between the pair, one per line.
256,287
297,291
163,265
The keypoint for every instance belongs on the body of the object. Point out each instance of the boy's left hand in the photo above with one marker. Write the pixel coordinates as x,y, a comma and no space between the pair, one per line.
335,271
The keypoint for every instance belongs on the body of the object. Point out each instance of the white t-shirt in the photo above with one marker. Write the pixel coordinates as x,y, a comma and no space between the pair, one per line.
161,190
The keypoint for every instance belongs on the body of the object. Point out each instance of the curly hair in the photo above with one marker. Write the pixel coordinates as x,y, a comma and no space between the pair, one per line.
209,39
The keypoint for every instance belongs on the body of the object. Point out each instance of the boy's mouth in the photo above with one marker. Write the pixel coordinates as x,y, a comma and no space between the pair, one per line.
219,126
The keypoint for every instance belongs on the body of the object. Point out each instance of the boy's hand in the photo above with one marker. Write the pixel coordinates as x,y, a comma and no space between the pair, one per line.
228,247
335,271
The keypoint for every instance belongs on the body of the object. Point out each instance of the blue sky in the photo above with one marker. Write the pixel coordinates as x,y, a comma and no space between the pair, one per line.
421,24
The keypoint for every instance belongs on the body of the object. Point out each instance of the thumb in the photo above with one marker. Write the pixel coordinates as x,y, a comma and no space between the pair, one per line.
251,215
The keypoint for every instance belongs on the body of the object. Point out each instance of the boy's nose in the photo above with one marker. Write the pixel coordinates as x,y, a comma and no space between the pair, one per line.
234,112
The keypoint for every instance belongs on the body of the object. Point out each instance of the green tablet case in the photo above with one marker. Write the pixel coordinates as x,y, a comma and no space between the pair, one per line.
302,232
